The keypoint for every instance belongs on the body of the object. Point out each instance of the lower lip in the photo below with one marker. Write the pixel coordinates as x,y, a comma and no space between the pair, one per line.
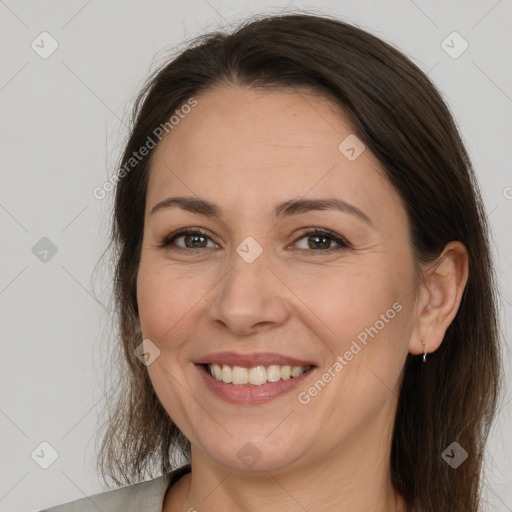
249,394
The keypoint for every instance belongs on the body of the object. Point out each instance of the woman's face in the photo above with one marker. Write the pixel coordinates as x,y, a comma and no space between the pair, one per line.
255,294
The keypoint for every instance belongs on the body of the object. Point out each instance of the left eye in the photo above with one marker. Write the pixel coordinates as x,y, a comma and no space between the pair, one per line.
322,240
317,240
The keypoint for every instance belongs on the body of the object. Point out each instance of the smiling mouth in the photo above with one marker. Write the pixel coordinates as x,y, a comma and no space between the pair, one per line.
257,375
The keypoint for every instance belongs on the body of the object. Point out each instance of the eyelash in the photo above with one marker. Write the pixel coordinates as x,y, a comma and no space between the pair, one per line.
342,243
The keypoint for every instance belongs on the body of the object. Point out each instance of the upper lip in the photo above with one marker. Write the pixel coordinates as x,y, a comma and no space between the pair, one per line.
252,360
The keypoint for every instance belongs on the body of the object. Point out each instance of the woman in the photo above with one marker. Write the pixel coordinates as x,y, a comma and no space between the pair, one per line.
306,297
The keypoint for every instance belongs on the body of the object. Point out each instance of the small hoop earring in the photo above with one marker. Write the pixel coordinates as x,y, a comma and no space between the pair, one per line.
424,348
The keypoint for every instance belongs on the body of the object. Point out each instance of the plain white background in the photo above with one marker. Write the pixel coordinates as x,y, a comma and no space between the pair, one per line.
62,129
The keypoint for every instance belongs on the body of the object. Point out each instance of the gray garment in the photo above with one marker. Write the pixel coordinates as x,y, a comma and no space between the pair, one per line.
142,497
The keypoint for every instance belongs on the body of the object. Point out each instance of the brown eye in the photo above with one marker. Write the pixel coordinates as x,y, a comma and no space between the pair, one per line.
321,241
192,239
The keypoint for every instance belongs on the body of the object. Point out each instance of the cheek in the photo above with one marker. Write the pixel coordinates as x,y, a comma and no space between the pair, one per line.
166,313
154,304
361,317
163,299
368,348
351,299
171,301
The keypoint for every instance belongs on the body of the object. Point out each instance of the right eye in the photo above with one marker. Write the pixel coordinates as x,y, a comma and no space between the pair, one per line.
193,238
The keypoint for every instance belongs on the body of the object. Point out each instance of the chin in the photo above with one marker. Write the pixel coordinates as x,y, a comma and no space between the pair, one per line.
252,451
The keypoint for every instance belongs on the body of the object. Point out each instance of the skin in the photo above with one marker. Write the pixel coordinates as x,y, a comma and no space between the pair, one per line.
248,150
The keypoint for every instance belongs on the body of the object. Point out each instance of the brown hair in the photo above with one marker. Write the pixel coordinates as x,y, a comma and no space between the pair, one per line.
400,116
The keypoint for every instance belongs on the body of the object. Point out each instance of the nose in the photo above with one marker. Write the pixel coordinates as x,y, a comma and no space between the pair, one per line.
249,298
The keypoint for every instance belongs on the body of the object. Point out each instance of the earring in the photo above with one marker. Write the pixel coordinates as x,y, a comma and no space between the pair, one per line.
424,348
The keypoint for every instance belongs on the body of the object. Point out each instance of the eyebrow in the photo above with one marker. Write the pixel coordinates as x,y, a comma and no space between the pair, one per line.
285,209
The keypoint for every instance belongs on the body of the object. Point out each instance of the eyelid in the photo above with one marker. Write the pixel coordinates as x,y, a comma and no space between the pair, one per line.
168,240
341,241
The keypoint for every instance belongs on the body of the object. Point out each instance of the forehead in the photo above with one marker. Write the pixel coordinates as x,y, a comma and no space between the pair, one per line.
264,146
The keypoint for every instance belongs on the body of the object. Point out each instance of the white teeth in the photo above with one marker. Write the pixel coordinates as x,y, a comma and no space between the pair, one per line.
217,371
240,375
256,376
296,371
226,374
273,373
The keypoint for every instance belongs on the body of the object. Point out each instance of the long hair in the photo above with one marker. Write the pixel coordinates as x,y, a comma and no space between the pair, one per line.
401,117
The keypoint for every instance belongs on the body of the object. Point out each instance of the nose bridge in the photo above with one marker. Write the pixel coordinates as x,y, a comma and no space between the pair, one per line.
248,294
247,277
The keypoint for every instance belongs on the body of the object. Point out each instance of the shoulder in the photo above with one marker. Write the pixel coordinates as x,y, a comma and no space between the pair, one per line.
147,496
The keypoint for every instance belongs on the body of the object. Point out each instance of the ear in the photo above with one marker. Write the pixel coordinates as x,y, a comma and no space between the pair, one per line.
439,297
